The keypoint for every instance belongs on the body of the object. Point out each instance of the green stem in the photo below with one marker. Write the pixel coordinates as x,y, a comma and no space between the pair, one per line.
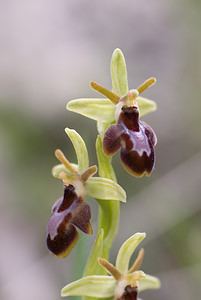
109,209
108,218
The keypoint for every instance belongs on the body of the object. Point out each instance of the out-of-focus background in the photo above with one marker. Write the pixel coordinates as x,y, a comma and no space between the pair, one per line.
49,52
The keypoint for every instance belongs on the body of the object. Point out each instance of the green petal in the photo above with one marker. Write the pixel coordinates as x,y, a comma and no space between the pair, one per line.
126,251
119,73
92,266
103,188
145,105
96,109
80,149
91,286
149,282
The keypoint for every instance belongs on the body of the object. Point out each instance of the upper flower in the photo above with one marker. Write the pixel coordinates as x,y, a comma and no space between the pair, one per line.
118,119
122,283
135,138
71,212
104,110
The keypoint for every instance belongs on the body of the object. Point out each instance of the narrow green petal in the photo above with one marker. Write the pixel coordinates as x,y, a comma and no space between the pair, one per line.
80,149
92,266
91,286
119,73
103,188
149,282
126,251
145,105
96,109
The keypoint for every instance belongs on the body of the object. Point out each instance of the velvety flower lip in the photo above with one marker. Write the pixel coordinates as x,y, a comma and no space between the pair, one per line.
130,293
68,213
136,140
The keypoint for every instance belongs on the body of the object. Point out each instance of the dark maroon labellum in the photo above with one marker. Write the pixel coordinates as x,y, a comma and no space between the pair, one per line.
136,140
130,293
68,213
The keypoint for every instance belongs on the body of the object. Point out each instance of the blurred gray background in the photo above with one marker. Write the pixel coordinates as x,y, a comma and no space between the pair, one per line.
49,52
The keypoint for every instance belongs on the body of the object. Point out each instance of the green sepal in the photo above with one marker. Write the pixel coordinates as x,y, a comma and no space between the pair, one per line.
91,286
119,73
149,282
80,149
96,109
56,170
126,251
145,105
105,189
92,267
